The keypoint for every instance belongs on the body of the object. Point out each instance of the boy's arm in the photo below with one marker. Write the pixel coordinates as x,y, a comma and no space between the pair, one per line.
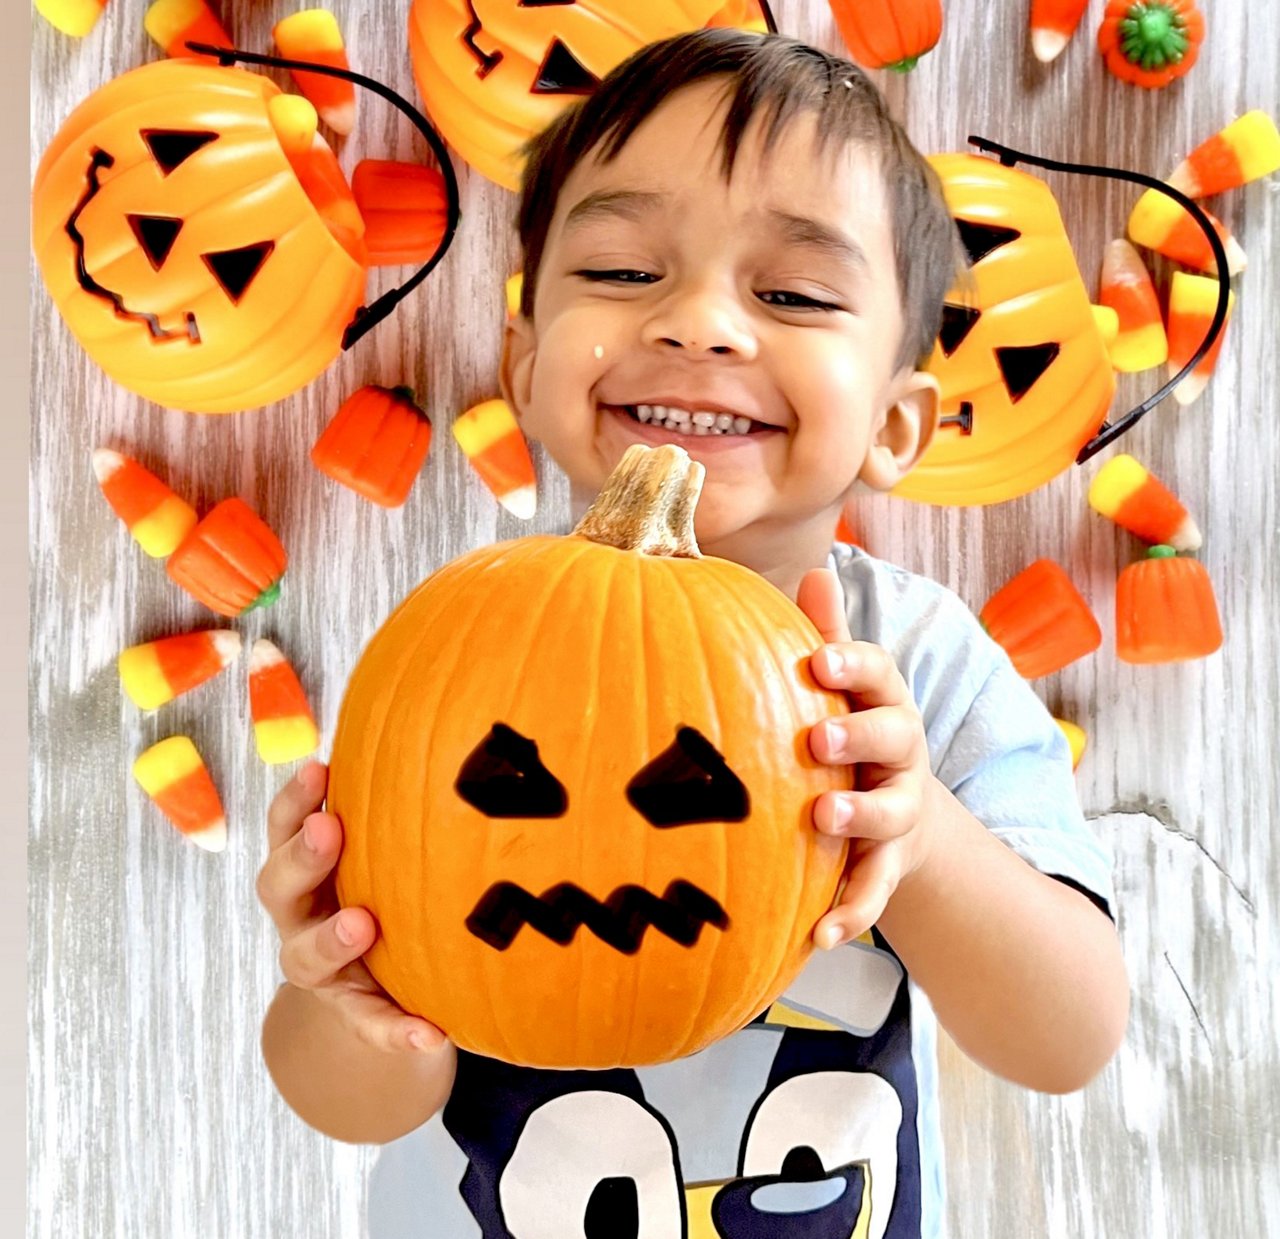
343,1055
1024,972
333,1079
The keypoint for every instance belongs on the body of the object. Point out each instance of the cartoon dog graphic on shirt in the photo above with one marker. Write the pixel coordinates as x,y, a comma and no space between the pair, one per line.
801,1126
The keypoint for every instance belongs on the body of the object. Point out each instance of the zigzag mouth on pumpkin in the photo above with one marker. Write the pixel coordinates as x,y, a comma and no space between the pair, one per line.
619,921
190,331
233,269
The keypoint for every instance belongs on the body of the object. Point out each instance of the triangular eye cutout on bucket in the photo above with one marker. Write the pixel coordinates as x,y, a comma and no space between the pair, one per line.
156,236
234,269
562,73
980,239
1022,366
170,147
957,322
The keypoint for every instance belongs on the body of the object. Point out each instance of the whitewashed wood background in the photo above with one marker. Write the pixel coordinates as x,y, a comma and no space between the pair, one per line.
150,962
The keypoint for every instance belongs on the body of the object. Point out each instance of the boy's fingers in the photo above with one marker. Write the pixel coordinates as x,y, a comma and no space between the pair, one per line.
821,598
293,871
385,1026
313,955
871,883
886,812
884,735
862,668
301,795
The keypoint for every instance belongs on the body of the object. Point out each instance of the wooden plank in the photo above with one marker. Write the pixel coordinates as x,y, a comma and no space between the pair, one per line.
151,963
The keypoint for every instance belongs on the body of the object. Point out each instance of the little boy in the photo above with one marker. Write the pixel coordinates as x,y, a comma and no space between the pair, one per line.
732,246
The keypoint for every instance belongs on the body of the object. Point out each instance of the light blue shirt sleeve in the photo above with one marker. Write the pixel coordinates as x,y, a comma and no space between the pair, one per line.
991,740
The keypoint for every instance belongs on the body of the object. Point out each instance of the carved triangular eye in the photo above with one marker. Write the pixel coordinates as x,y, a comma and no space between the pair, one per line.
689,781
1022,366
562,73
170,147
156,236
234,269
980,239
957,322
503,776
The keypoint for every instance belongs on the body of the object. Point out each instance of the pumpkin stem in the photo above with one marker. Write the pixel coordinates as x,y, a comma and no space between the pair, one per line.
647,503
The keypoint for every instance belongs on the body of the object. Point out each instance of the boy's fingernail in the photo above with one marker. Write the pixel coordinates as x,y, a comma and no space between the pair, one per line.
834,736
345,936
308,839
419,1041
842,814
834,660
829,937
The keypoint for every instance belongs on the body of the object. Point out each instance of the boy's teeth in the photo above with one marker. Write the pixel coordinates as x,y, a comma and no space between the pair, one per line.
683,422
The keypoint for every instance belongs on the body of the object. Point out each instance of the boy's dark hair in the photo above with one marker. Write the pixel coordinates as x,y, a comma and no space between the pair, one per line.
783,78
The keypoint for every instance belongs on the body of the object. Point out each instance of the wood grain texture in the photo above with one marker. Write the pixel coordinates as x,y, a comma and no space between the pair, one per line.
151,963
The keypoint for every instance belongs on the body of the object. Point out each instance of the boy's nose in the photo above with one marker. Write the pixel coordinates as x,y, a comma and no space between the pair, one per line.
701,322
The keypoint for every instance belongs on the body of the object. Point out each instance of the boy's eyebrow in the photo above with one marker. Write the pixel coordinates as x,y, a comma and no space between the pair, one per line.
629,203
801,230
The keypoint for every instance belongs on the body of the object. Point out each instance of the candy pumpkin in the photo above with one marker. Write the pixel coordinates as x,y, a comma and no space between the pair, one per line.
495,72
581,765
888,34
1021,358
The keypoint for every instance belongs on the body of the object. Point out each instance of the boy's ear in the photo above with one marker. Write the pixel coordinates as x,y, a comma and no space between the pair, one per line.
904,432
515,369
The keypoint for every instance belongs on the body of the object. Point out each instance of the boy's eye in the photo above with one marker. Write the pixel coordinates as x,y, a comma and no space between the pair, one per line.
794,301
621,275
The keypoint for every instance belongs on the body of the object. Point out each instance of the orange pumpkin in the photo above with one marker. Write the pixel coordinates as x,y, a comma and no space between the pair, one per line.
231,561
375,444
495,72
888,34
1021,360
1041,620
180,247
581,765
1166,610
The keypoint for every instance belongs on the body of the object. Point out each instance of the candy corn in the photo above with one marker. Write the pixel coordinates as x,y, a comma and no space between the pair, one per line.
512,289
1076,739
1137,500
1162,225
314,35
1192,299
174,23
284,728
159,671
74,17
174,775
1126,288
154,515
492,441
1053,22
294,119
1245,150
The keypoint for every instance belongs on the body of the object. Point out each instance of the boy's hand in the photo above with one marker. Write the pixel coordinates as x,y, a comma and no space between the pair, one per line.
884,737
321,947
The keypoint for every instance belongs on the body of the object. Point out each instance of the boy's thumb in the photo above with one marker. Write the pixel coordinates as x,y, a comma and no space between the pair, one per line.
821,598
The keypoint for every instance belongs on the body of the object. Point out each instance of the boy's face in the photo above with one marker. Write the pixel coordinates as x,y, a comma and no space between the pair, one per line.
771,296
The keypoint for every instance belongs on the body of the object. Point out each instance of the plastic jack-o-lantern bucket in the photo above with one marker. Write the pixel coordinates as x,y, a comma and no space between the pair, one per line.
1021,359
200,260
495,72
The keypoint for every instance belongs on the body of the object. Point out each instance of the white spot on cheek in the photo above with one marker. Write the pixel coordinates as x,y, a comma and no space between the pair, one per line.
598,351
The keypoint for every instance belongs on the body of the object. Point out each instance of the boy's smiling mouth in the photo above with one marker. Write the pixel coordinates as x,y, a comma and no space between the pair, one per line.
708,422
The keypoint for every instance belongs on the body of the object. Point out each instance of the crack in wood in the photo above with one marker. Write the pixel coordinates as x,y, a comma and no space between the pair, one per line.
1161,813
1190,1002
